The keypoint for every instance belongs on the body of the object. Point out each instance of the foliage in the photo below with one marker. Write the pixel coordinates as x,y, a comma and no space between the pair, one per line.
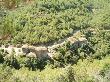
99,42
12,62
45,21
18,62
5,73
83,71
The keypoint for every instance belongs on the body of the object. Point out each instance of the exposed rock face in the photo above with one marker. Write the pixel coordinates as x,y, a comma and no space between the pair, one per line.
72,40
39,51
8,50
80,41
32,50
31,54
29,51
43,51
25,49
18,52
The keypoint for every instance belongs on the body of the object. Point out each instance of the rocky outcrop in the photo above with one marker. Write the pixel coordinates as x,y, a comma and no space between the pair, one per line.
39,51
25,49
43,51
31,54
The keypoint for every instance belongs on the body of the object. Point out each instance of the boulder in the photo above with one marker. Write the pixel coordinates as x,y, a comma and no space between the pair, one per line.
72,40
19,52
32,49
31,54
25,49
82,39
8,50
50,55
41,52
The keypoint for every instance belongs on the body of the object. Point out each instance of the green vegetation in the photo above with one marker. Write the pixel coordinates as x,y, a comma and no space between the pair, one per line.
84,71
45,21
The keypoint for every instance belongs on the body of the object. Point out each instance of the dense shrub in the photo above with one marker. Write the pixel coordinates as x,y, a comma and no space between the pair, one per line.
99,42
18,62
45,21
70,53
5,73
12,62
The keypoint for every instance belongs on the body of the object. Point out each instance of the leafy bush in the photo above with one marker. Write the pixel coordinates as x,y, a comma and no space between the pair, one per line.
70,54
5,73
12,62
45,21
99,42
